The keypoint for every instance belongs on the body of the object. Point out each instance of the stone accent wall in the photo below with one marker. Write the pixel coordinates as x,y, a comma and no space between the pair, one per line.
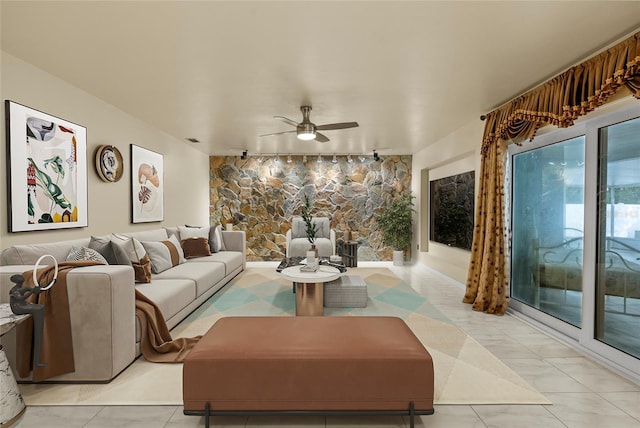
260,195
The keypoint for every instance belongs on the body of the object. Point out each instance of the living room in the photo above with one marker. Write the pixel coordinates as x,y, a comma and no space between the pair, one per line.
114,108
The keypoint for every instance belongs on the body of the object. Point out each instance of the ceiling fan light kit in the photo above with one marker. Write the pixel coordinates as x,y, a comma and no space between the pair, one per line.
307,130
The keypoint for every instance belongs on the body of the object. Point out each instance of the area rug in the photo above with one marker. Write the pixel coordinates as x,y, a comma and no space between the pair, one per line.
465,372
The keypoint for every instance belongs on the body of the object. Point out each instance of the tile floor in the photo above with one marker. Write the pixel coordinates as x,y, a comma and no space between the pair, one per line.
584,394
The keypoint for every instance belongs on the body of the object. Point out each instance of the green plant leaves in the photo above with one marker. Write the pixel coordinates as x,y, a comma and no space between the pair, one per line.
396,221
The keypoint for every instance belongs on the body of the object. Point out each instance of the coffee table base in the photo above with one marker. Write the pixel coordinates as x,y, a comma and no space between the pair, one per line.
309,298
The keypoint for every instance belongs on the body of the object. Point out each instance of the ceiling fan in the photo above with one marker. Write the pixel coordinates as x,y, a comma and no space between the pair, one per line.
306,130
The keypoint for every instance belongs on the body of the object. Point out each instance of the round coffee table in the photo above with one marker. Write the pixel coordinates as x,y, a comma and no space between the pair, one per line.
309,288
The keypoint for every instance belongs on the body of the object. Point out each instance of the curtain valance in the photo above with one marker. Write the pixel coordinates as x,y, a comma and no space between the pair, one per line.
572,94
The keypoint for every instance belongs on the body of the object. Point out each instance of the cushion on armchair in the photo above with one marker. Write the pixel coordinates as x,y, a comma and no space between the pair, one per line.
299,228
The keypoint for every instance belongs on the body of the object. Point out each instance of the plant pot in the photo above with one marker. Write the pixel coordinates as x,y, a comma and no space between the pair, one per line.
398,258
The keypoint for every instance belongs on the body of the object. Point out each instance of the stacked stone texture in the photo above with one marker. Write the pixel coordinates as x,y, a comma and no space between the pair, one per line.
260,195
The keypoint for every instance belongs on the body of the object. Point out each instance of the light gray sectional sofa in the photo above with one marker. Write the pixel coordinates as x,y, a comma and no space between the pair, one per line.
105,330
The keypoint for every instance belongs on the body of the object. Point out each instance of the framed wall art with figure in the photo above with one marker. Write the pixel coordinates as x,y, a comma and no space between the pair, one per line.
47,170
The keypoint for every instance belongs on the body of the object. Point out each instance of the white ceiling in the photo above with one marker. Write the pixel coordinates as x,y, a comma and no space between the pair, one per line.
408,72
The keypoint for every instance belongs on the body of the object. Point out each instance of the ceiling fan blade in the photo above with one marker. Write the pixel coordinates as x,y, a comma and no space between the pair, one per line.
276,133
286,120
321,138
342,125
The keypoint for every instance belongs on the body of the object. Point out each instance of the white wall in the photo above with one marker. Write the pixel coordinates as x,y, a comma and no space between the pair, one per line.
186,170
456,153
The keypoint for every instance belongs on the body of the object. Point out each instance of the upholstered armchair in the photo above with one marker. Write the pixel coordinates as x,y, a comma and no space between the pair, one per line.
298,244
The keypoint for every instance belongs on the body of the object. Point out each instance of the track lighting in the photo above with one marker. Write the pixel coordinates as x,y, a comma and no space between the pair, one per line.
375,156
304,158
244,155
349,159
319,159
334,160
289,159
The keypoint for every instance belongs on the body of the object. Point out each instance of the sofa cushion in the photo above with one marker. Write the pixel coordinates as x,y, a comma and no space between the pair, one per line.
113,253
195,247
299,247
149,235
171,296
193,232
131,246
215,239
231,259
142,269
85,253
299,227
28,254
164,254
205,275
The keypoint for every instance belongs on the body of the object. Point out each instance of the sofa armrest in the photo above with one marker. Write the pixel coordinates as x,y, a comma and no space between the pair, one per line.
236,240
102,312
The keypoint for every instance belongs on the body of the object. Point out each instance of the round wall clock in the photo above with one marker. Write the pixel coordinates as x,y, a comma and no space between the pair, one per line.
109,164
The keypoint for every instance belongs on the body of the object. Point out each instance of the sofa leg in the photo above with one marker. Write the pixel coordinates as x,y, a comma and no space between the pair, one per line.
206,415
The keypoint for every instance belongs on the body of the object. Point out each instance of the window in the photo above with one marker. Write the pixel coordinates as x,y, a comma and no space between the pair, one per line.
575,234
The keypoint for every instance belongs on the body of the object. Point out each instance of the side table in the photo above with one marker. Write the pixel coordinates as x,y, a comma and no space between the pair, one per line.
11,404
350,254
310,288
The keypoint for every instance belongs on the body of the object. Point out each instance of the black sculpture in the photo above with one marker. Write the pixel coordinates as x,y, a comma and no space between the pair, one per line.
18,296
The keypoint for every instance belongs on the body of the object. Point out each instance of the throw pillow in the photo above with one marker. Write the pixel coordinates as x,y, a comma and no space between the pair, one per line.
164,254
193,232
132,247
142,269
215,239
84,253
196,247
113,253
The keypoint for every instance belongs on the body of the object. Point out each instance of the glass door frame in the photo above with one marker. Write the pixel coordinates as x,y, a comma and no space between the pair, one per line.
583,339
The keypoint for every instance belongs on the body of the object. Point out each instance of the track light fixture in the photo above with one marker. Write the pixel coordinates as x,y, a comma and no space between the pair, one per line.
334,160
319,159
289,159
244,155
375,156
304,158
349,159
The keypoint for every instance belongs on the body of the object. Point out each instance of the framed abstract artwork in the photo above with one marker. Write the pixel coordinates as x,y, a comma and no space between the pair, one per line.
47,170
147,186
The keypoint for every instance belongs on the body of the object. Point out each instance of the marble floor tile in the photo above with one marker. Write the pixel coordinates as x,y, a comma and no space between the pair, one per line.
588,410
58,416
504,347
520,416
593,375
544,346
457,416
365,421
132,417
543,376
628,402
286,421
180,420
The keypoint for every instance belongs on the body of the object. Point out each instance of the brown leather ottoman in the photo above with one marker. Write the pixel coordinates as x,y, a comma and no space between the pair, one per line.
336,365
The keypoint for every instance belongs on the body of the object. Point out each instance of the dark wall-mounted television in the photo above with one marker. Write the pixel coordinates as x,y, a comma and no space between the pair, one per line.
452,210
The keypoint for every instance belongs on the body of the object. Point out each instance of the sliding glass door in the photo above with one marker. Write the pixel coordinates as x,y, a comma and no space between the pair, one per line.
575,234
618,248
547,229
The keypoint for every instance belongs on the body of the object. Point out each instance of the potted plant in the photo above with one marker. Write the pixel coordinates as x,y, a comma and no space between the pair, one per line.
311,228
395,222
